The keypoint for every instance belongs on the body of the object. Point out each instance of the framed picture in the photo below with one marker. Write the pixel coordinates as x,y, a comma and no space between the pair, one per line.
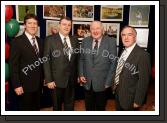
142,37
51,27
81,30
111,13
22,10
54,11
83,12
112,30
139,15
21,31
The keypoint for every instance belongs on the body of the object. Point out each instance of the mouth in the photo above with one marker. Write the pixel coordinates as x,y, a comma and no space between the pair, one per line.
96,34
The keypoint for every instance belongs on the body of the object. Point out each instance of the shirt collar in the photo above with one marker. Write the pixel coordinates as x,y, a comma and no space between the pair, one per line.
99,40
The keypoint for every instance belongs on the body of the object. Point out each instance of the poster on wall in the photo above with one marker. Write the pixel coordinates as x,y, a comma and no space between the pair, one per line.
83,12
112,30
51,27
21,31
111,13
139,15
22,10
81,30
54,11
142,37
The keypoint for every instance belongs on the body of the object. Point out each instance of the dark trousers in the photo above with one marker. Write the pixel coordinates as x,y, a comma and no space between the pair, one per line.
95,101
60,95
119,108
30,101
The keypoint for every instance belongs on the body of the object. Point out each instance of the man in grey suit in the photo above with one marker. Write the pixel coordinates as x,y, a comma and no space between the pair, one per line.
132,73
96,66
61,68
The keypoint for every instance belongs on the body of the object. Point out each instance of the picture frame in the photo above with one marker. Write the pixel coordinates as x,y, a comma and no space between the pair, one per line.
139,15
22,10
156,114
81,30
51,27
83,12
54,11
111,13
142,37
112,30
21,31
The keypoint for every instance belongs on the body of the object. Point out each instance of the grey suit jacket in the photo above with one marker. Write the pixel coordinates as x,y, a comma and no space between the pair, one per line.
134,78
101,72
58,68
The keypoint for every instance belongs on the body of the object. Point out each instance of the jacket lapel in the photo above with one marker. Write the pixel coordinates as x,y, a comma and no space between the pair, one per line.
28,45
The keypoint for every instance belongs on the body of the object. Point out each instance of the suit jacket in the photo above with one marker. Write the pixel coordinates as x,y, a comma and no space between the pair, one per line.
134,78
100,72
23,58
58,68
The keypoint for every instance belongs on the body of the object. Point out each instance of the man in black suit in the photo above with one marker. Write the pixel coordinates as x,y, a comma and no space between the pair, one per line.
25,67
61,68
132,74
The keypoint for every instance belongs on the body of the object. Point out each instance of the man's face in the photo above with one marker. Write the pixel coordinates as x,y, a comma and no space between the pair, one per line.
31,26
65,27
96,30
128,37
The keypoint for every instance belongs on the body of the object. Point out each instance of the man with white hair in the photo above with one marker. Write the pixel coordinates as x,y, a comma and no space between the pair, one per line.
96,68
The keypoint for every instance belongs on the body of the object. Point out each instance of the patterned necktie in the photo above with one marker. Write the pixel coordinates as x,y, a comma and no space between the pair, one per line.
66,48
120,65
35,46
95,50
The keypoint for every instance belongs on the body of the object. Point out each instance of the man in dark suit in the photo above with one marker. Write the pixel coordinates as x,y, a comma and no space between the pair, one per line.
96,66
132,73
25,67
61,68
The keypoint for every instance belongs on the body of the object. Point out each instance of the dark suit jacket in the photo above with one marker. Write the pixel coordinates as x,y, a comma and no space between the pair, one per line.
58,68
100,72
134,78
23,55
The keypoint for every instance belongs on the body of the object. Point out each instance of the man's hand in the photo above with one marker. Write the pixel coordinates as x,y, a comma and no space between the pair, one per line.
135,105
83,79
19,90
51,85
106,86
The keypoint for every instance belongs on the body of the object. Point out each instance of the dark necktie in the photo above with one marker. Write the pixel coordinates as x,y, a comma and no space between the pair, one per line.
34,46
66,48
95,50
120,65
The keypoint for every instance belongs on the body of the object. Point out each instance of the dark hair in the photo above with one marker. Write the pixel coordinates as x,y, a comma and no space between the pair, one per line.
129,27
29,16
66,18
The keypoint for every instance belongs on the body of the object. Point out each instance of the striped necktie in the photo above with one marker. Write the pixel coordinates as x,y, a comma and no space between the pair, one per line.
66,48
95,50
120,65
35,46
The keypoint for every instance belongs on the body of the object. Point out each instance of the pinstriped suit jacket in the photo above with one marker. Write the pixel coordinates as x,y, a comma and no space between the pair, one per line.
134,78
